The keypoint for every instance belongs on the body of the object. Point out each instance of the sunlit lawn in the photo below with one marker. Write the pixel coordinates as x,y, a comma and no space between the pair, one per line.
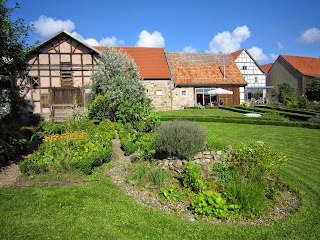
101,211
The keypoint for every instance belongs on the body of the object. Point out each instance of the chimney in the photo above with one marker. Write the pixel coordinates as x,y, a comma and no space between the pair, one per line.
224,68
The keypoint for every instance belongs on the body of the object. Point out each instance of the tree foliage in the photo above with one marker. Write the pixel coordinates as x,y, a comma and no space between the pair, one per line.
13,36
117,74
313,90
117,77
287,95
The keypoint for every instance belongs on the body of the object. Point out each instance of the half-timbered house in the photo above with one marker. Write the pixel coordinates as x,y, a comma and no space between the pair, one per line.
253,74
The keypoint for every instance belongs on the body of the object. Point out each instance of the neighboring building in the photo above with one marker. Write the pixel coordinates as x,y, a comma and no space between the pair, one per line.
266,67
254,75
194,74
296,70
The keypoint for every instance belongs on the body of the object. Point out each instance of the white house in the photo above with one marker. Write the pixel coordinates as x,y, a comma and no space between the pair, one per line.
253,74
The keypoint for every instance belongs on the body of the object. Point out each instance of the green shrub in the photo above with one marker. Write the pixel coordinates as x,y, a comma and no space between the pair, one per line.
77,149
100,108
246,175
133,141
180,138
138,114
212,204
170,194
191,177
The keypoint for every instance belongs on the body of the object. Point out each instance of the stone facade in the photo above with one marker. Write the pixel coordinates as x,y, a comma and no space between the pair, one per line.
160,91
183,97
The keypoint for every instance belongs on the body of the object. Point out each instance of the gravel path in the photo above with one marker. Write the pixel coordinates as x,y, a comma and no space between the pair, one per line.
9,175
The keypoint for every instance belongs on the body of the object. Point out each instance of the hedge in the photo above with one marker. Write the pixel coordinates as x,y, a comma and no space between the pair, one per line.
242,120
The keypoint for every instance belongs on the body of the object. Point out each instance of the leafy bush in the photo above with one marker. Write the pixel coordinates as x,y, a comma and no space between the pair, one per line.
100,108
180,138
82,145
138,114
170,194
191,177
286,95
245,104
212,204
246,173
133,141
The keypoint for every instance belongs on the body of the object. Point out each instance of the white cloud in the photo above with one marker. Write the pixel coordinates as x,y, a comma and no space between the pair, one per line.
310,35
280,45
227,42
147,39
273,56
113,41
190,49
258,54
47,26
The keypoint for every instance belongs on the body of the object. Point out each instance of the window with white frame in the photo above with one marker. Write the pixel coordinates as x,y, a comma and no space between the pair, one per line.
244,67
256,79
184,93
159,92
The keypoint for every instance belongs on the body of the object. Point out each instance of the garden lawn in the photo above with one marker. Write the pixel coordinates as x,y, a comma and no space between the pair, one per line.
101,211
209,112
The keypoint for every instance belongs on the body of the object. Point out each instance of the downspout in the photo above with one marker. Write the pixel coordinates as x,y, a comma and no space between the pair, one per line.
172,86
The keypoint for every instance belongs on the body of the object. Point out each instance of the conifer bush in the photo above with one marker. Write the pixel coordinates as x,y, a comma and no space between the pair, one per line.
180,139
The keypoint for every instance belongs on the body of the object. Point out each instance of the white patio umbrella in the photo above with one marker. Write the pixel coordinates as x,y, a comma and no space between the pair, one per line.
219,91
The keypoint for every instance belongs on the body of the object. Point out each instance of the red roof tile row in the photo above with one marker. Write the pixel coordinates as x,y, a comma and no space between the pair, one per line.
305,65
204,69
266,67
151,62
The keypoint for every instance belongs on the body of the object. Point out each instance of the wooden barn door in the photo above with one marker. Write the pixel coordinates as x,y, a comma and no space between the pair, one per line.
62,100
68,96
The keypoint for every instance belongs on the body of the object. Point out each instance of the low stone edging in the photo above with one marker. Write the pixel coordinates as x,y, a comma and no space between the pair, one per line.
204,159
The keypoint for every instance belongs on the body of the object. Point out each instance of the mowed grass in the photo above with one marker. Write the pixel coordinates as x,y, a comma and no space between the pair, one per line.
102,211
200,112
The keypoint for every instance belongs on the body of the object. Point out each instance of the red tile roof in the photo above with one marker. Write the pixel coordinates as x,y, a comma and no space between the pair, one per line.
203,69
151,62
266,67
306,65
236,54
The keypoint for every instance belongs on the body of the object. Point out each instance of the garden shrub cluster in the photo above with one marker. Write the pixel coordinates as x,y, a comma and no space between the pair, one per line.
73,145
249,176
180,139
133,141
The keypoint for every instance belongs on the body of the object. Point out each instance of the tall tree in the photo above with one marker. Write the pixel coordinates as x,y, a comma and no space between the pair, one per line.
117,74
13,36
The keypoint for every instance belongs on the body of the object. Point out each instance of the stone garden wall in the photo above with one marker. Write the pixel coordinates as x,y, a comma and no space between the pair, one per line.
204,159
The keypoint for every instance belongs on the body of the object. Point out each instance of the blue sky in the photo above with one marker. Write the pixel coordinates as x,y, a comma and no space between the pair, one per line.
266,29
